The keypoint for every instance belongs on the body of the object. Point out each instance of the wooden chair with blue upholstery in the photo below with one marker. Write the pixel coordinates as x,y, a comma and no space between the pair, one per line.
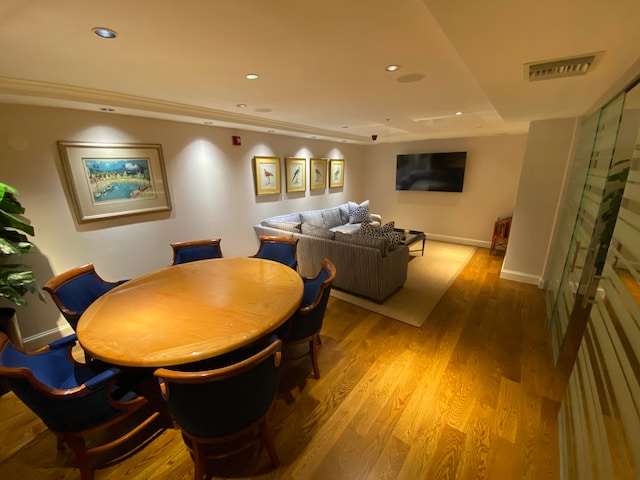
279,249
74,290
305,324
79,405
226,408
193,250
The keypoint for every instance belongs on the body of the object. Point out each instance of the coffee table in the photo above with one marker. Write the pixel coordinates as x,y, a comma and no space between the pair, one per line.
409,237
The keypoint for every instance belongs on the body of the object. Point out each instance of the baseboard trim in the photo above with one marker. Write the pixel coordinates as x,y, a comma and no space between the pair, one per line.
44,338
459,240
521,277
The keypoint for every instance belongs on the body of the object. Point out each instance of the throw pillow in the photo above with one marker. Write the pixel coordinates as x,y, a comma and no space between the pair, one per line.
370,230
367,228
388,227
394,238
286,226
313,217
359,213
331,217
314,231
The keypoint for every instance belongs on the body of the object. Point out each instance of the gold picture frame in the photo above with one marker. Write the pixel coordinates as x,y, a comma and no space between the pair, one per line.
296,173
336,173
318,174
114,179
267,175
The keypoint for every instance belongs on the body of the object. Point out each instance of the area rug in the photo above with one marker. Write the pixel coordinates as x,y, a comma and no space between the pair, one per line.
428,278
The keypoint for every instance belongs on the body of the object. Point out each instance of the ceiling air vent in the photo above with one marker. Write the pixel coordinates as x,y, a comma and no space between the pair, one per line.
567,67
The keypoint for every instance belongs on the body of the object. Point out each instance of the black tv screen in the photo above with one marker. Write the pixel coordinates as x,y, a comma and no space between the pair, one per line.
435,172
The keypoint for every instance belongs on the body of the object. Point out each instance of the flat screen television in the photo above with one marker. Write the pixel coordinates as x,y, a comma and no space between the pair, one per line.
435,172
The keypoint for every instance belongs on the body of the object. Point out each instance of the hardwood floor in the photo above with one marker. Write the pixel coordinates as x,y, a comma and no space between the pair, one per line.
470,395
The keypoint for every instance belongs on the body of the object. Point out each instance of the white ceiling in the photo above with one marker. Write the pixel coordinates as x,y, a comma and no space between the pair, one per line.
321,63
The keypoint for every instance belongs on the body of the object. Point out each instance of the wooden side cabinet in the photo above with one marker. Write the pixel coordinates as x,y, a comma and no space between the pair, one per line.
500,236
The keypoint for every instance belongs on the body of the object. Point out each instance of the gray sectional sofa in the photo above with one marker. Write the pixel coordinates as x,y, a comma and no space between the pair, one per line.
366,265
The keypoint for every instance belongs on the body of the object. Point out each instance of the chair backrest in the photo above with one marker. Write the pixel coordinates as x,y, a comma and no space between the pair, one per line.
225,399
279,249
68,397
320,286
308,319
74,290
193,250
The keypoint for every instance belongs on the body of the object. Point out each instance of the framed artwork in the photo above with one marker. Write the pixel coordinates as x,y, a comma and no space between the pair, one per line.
336,173
267,175
296,170
318,174
111,179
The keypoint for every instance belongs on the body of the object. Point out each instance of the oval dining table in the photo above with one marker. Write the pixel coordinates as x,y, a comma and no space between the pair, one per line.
190,312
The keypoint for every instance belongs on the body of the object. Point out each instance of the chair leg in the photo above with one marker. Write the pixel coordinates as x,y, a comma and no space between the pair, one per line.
267,439
79,448
199,460
313,345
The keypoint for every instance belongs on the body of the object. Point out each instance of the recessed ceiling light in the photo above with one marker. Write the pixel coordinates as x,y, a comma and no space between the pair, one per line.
241,105
458,113
107,109
392,68
252,76
271,131
344,141
104,32
208,123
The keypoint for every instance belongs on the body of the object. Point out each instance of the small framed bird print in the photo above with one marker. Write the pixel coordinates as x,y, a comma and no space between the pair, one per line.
296,172
267,175
336,173
318,174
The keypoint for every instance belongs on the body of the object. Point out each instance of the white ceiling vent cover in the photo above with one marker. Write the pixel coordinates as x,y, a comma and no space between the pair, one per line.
567,67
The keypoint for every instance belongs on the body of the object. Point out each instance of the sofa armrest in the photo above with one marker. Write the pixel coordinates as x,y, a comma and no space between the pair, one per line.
376,218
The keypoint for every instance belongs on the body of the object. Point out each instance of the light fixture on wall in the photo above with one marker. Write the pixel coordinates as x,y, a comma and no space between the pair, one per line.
392,68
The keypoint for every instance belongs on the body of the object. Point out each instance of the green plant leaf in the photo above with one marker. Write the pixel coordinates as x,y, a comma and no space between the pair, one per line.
7,220
13,295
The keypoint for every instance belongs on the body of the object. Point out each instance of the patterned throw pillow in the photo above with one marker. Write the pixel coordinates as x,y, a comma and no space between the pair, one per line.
368,229
388,227
359,213
394,238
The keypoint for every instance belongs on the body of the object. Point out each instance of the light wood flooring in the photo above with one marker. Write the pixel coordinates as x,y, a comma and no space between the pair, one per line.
470,395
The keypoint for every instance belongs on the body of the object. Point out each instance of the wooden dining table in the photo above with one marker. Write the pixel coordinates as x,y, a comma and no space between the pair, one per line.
190,312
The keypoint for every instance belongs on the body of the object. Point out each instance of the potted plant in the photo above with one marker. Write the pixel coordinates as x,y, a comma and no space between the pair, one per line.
16,279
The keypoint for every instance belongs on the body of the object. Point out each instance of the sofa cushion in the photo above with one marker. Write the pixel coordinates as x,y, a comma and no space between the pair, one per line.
286,226
331,217
314,231
344,213
347,228
381,243
359,213
313,217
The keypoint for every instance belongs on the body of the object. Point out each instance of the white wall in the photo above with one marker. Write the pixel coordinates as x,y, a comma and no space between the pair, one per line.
543,172
490,183
210,183
212,193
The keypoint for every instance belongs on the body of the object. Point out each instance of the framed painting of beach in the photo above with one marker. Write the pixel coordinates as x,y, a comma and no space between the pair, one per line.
110,180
